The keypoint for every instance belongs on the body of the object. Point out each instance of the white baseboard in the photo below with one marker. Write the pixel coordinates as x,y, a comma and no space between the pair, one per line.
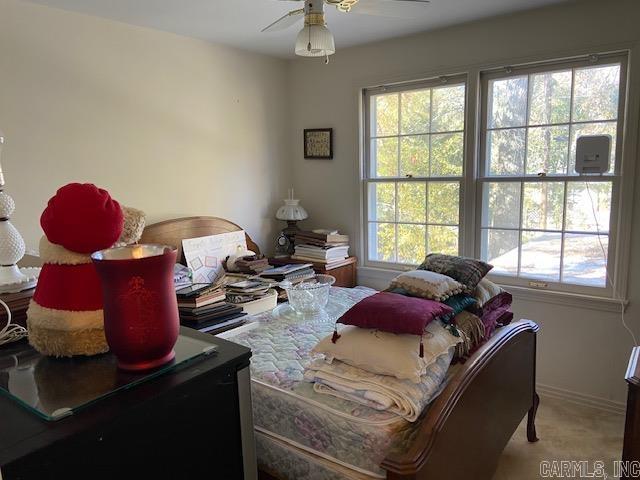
581,399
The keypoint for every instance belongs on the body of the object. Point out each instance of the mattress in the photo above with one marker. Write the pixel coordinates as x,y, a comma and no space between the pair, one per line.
287,462
286,408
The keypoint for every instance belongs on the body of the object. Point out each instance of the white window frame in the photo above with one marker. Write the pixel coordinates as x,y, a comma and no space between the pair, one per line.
471,188
367,178
615,178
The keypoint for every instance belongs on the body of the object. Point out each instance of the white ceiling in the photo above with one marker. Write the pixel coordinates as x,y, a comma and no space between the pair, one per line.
238,22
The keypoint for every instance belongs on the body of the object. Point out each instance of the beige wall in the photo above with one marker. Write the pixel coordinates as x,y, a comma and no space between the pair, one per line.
168,124
581,350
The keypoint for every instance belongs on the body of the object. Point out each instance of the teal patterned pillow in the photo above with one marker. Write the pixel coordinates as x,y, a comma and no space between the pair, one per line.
459,303
467,271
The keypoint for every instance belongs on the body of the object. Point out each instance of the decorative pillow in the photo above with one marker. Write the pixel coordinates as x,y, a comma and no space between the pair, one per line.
501,299
491,319
459,303
394,313
388,353
426,284
467,271
485,291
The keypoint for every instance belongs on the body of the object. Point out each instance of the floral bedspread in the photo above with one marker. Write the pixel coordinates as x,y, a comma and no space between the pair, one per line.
286,407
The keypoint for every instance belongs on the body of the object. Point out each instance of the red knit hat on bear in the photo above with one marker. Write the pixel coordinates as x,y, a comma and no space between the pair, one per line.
82,218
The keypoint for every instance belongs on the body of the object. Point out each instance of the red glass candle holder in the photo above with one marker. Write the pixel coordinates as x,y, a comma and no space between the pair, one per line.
141,320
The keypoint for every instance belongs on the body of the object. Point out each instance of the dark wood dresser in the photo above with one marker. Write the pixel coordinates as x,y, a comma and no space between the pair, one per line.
191,423
631,447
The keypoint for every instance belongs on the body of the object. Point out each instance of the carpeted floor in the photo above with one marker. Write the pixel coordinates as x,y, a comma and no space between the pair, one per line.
567,431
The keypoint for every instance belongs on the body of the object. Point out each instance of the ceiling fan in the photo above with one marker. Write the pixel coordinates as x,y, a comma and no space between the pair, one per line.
315,39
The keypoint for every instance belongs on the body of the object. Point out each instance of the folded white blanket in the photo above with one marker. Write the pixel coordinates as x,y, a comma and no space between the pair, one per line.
382,392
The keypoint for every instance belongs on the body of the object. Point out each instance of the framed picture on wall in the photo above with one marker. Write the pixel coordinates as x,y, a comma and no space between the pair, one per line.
318,143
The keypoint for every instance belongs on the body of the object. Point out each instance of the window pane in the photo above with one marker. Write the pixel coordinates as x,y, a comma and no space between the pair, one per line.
411,244
382,240
595,95
543,204
412,202
584,260
384,157
500,249
443,240
444,203
382,202
415,111
550,98
605,128
505,152
547,150
447,155
448,109
581,206
508,102
501,205
541,255
385,120
414,156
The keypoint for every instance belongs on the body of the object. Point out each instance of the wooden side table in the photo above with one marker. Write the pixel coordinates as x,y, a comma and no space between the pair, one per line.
344,272
18,304
631,447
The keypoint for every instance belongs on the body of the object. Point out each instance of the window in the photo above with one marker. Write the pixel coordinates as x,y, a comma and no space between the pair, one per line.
414,170
540,221
512,196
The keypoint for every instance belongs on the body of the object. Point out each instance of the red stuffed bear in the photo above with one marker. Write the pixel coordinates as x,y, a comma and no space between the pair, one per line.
65,316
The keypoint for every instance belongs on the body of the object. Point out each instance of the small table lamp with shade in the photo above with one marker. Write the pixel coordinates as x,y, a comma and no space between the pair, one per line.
292,212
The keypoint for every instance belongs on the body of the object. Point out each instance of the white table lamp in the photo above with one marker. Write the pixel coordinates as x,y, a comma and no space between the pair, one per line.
12,246
291,212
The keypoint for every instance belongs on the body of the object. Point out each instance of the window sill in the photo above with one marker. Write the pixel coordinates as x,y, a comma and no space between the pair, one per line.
375,277
590,302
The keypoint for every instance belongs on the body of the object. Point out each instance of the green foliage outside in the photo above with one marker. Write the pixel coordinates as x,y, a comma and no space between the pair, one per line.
420,134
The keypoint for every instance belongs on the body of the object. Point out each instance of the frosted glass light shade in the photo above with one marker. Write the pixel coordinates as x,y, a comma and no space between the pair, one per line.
315,41
291,211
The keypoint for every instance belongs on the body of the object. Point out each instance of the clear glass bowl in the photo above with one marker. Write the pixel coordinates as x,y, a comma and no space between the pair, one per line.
311,295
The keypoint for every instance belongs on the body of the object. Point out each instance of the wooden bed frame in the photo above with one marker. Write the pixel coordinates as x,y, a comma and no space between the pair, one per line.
464,431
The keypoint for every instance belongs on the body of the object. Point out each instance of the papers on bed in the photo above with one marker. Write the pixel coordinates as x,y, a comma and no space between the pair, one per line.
382,392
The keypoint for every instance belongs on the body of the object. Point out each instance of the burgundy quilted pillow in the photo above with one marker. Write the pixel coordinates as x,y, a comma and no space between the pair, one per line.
499,301
394,313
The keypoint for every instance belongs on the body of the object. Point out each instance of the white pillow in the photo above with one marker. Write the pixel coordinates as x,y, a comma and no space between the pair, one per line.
387,353
427,284
485,291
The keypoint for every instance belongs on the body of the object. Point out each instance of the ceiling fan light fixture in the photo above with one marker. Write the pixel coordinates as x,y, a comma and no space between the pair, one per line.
315,41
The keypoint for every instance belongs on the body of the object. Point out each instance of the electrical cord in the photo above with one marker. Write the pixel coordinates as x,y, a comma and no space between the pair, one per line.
604,255
11,332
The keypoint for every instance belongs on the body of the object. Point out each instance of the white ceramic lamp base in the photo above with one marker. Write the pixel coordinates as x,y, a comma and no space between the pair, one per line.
11,275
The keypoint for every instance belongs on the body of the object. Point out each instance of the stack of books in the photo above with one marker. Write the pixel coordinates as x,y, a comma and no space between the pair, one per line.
203,307
253,296
252,265
326,247
294,273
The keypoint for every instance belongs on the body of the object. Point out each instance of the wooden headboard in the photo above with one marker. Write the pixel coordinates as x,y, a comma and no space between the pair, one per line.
172,232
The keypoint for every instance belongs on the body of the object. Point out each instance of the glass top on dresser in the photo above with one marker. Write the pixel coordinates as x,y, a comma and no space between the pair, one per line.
54,388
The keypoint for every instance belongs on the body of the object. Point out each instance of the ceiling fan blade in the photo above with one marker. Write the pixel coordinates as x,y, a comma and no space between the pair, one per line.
392,8
284,21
